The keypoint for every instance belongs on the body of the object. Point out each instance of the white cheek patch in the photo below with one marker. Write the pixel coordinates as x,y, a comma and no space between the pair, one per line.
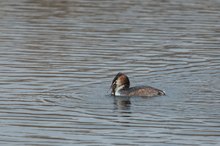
118,82
118,90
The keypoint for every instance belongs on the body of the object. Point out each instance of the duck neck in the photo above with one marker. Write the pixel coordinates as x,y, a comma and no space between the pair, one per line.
119,89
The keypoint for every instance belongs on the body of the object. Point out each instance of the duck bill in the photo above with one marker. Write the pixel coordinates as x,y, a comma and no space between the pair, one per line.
113,86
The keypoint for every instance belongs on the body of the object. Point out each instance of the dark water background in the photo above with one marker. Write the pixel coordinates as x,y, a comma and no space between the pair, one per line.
58,58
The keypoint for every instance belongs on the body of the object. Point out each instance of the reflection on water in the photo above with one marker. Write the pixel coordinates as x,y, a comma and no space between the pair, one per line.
122,103
58,59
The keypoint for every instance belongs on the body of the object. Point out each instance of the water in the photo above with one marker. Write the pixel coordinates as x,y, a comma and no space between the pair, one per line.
58,59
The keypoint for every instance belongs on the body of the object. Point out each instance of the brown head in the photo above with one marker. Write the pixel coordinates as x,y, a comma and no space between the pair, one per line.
120,81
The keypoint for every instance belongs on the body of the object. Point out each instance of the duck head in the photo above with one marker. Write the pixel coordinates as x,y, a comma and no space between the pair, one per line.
121,81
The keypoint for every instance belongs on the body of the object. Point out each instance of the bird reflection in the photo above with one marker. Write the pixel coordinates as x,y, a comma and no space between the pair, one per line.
122,103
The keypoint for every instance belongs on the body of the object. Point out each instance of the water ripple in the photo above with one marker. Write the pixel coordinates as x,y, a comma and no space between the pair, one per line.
58,60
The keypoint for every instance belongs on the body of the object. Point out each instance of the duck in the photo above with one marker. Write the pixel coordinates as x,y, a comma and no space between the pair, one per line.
121,87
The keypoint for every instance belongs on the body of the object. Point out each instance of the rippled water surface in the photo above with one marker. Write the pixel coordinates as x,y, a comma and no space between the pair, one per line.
58,58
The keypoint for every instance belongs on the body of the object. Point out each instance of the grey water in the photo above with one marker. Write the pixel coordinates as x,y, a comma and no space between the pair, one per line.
58,58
